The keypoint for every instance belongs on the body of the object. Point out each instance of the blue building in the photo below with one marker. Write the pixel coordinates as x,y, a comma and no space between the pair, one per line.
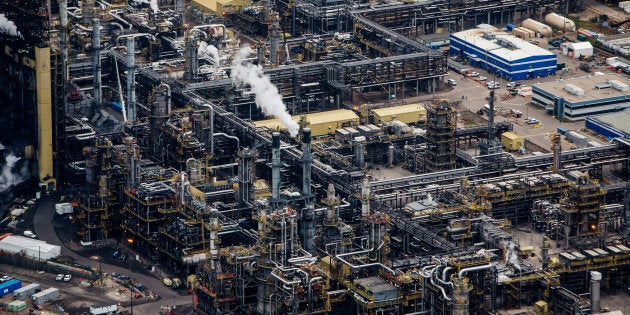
577,98
612,126
506,56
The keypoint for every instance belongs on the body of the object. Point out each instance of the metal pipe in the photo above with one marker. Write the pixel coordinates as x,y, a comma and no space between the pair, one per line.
477,268
338,256
120,19
273,273
213,26
238,142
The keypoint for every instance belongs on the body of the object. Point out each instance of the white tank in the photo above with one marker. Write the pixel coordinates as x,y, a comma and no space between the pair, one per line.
560,22
538,27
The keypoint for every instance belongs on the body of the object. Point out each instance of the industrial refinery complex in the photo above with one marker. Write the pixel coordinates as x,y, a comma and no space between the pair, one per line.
323,157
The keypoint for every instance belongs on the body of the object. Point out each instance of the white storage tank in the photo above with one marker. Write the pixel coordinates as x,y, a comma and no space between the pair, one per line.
540,28
560,22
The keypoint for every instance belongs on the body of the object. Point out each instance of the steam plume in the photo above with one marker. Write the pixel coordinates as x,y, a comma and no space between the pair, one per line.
267,97
153,3
7,26
9,176
210,50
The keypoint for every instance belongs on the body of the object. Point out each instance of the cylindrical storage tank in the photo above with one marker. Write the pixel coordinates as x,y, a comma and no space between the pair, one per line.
538,27
560,22
596,277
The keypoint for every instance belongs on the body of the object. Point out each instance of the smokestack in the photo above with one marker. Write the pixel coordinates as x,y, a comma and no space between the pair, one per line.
96,59
87,9
274,41
131,80
596,277
275,167
63,16
307,159
260,54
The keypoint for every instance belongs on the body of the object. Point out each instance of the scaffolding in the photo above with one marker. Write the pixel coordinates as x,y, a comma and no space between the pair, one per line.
441,140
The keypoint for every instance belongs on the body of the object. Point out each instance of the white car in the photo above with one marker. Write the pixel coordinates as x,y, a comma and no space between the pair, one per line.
59,277
30,234
493,85
482,78
531,120
452,82
473,74
5,278
67,278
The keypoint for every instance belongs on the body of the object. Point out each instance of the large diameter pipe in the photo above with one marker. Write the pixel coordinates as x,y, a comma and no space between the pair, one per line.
96,59
275,166
131,80
596,277
477,268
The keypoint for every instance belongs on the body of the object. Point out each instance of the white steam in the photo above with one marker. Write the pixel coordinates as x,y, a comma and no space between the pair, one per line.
267,97
153,3
9,176
7,26
210,50
511,256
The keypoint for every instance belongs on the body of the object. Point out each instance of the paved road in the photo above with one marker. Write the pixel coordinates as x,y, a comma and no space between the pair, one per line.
45,230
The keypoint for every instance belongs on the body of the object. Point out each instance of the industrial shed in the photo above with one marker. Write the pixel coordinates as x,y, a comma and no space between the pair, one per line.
31,248
409,114
616,125
321,123
503,54
577,50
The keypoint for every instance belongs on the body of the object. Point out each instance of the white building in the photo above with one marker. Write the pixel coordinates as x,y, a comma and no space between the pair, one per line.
576,50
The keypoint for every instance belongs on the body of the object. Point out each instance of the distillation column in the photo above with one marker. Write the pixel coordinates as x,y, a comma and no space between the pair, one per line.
596,277
307,229
63,17
275,170
131,80
245,176
274,39
191,57
96,60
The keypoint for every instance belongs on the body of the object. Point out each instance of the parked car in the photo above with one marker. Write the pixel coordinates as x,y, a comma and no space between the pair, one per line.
452,82
59,277
473,74
30,234
493,85
482,78
123,256
115,253
531,120
67,278
5,278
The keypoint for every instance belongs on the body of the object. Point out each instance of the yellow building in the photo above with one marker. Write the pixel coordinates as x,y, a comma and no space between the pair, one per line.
321,123
512,141
409,114
221,6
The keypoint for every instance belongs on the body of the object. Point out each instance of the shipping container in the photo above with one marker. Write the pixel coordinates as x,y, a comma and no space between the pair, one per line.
16,306
47,295
27,291
510,27
9,286
582,37
63,208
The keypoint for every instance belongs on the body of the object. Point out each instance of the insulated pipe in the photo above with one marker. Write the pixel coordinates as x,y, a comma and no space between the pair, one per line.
364,265
477,268
238,144
121,20
275,166
96,60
